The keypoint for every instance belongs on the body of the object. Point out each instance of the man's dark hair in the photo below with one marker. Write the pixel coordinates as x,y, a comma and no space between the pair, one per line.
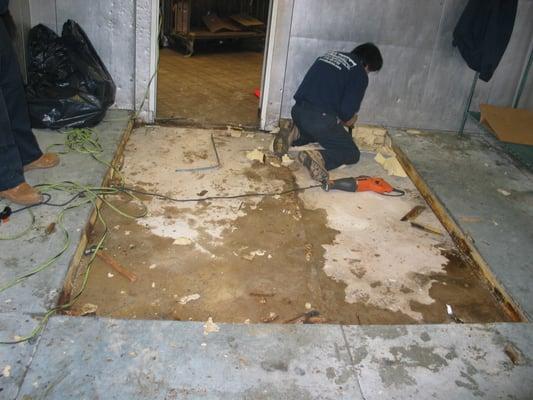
369,55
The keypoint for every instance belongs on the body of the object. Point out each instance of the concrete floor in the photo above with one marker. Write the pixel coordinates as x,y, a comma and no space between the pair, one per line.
491,206
116,359
209,88
92,358
22,306
345,255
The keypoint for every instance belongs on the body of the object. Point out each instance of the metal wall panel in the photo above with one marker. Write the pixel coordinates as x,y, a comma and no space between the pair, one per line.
110,25
44,12
20,10
143,58
278,62
424,82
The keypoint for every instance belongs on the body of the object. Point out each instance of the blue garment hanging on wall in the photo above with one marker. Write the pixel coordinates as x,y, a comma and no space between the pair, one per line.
483,33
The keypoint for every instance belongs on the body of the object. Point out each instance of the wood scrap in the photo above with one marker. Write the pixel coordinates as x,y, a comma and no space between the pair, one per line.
216,24
512,125
88,309
302,318
514,354
271,318
116,266
415,212
258,294
50,229
426,228
316,320
246,20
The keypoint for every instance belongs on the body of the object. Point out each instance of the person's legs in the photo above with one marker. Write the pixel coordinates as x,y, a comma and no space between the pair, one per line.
339,147
17,143
12,184
11,173
16,106
298,114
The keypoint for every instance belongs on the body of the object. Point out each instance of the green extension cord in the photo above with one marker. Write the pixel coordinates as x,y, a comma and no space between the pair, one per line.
82,141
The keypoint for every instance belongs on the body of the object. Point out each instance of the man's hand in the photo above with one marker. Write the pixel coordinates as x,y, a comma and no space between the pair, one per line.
351,122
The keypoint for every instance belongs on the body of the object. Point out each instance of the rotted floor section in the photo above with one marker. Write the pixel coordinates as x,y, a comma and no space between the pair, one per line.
313,256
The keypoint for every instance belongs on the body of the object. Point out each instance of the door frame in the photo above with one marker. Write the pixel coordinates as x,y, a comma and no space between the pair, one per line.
274,63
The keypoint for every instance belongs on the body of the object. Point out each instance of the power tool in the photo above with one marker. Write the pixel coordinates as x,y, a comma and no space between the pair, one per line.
5,214
362,184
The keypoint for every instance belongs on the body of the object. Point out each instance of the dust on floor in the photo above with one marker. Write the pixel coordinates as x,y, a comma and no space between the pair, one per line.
271,258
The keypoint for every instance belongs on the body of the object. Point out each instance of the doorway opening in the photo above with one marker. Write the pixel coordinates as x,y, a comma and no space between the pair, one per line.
211,60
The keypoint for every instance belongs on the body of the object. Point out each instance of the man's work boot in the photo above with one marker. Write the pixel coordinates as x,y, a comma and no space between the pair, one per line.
47,160
22,194
315,164
284,139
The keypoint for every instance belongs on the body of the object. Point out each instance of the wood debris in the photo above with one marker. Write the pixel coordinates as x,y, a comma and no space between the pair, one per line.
426,228
286,160
116,266
258,294
271,318
182,241
88,309
6,372
415,212
308,251
210,327
256,155
303,318
514,354
50,229
187,299
391,165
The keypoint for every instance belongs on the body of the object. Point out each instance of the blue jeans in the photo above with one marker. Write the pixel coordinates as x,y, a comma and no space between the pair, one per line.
316,126
18,145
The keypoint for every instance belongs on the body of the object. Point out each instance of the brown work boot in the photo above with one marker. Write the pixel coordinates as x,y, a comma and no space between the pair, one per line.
284,139
47,160
22,194
315,164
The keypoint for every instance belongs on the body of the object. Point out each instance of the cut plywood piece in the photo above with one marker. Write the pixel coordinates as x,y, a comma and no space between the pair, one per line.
216,24
247,20
510,125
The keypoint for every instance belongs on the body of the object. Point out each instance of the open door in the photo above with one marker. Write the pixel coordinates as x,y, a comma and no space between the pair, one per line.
212,61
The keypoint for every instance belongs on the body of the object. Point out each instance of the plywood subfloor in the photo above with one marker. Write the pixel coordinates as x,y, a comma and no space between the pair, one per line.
345,255
213,88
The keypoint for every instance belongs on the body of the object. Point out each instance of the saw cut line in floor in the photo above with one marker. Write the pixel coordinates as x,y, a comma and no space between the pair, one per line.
311,256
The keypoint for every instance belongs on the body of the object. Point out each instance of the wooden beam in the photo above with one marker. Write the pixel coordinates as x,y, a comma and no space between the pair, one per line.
463,241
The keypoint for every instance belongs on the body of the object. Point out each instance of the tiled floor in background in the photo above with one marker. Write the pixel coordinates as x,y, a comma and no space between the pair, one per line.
209,88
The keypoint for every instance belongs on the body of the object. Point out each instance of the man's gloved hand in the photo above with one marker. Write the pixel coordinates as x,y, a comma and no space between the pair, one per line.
351,122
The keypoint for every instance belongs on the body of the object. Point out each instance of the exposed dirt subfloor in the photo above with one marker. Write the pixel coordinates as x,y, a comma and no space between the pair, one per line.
267,264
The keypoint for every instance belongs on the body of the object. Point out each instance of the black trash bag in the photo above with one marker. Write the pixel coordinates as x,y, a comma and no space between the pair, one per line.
68,85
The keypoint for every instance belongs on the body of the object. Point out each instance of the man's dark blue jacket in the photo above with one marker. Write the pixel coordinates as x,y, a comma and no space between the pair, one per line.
336,84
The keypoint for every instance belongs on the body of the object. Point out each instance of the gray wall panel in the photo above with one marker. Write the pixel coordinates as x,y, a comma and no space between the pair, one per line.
424,82
44,12
110,27
501,88
278,61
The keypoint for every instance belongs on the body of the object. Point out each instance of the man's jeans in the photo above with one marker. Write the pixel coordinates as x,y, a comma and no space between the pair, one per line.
18,145
316,126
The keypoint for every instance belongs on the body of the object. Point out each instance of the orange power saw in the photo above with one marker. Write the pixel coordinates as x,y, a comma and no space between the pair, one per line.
362,184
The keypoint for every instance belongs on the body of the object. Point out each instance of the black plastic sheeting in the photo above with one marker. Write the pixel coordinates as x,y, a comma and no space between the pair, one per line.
68,84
